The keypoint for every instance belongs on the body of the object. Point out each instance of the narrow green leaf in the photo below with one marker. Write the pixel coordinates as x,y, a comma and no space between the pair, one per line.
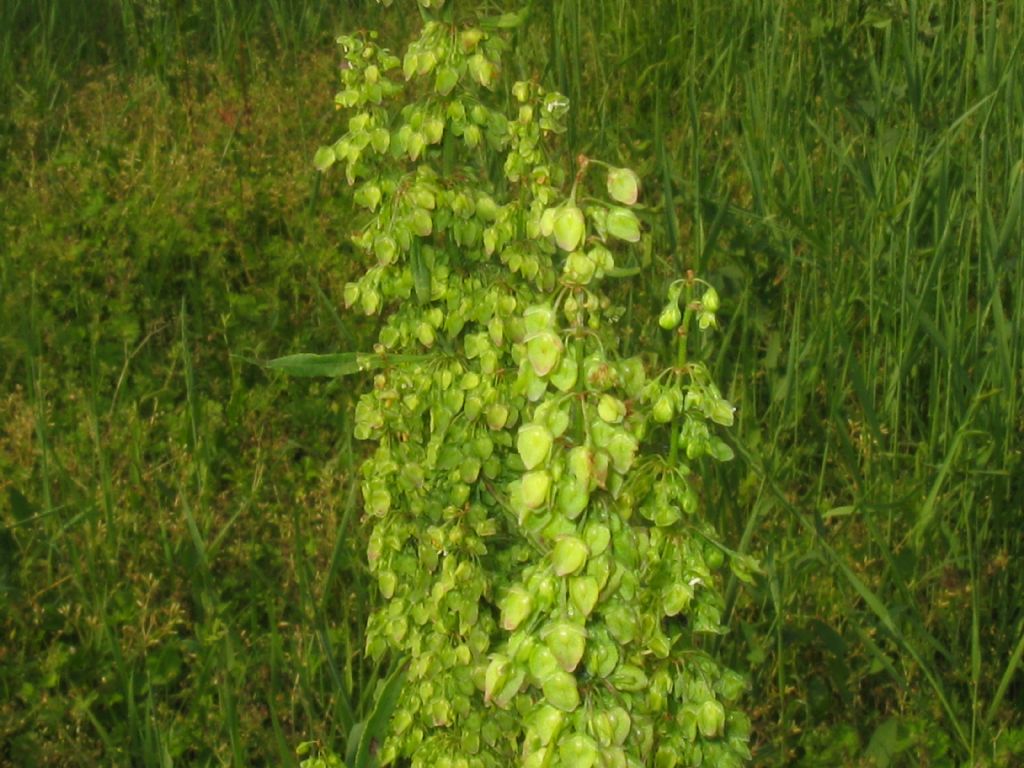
337,364
309,365
420,273
376,724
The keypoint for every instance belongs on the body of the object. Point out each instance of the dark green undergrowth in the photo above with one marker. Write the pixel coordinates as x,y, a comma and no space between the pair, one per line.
180,569
180,555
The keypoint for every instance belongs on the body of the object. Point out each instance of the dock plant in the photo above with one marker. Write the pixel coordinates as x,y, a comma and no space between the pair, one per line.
547,580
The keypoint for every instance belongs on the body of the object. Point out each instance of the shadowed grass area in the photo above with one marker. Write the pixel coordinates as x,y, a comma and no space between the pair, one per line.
180,563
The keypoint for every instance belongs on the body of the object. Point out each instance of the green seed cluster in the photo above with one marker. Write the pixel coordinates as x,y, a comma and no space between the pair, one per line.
544,567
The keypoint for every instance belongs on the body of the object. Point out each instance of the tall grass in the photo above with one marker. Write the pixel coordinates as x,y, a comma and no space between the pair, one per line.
47,46
852,174
180,560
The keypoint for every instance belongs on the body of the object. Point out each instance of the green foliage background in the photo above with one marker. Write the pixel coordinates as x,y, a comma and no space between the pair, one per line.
181,560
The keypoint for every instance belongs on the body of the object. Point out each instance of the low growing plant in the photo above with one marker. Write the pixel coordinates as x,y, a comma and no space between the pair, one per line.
547,580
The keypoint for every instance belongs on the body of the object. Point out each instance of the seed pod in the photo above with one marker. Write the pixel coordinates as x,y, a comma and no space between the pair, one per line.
433,130
623,185
568,555
579,751
560,691
534,444
621,621
557,419
597,536
583,591
544,351
547,221
667,756
481,69
544,722
675,598
711,719
565,375
670,316
579,268
324,158
710,300
385,248
628,677
581,464
515,606
601,726
508,692
542,663
611,409
380,139
538,318
422,224
666,515
567,641
569,227
659,644
535,486
469,38
621,723
486,208
722,412
663,411
572,497
497,415
622,450
602,654
498,672
446,80
623,224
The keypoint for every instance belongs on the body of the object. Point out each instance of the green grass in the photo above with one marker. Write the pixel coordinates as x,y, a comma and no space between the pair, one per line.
180,554
179,541
852,176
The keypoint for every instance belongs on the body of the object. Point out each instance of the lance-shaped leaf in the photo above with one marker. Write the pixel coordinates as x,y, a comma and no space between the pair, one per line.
338,364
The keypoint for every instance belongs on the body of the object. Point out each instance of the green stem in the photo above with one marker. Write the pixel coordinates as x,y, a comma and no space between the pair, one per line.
683,338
